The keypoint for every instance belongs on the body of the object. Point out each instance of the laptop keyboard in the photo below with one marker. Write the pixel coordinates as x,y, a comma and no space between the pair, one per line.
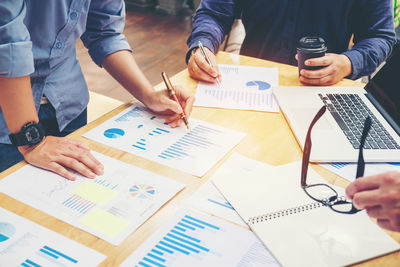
350,112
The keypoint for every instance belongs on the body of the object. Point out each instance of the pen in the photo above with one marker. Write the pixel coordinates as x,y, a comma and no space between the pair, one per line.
208,61
172,94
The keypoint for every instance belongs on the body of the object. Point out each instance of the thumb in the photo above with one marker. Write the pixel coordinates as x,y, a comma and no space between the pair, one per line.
173,105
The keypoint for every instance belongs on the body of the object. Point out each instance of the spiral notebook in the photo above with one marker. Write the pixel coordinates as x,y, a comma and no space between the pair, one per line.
297,230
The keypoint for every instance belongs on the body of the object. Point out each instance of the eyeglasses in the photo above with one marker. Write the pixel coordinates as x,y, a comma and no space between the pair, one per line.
324,193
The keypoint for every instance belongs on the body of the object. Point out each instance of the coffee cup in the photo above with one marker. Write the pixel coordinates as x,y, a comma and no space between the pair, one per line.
310,47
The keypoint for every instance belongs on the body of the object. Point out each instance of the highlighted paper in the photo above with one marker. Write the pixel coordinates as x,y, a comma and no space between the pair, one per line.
110,206
242,87
94,192
104,222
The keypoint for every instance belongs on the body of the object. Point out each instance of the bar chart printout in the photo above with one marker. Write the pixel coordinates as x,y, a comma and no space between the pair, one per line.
138,131
196,239
32,245
242,87
110,206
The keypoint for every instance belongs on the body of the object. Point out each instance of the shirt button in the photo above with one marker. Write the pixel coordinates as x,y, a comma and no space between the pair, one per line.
73,15
58,45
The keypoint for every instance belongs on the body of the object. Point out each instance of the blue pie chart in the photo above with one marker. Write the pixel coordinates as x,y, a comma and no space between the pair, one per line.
261,85
114,133
6,231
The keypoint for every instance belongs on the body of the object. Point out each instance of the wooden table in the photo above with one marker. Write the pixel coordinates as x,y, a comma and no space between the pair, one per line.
269,139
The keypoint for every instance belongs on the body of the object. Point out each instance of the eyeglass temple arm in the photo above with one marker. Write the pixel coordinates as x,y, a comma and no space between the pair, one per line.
361,162
307,147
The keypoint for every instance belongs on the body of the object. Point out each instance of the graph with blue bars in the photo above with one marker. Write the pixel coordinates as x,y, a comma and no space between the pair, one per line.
52,255
196,139
132,114
182,240
141,144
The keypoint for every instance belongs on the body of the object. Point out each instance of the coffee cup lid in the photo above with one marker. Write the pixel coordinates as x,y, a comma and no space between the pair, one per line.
312,42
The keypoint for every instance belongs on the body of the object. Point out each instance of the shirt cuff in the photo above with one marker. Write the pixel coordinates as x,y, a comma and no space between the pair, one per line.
107,46
356,59
16,59
206,43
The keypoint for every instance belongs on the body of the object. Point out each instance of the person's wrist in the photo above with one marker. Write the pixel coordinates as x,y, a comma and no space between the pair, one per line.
346,65
26,149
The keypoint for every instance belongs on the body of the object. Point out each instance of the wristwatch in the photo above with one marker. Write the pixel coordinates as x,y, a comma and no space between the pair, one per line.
31,134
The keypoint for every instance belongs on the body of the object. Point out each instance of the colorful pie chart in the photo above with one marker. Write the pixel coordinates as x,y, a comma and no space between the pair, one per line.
142,191
260,85
6,231
114,133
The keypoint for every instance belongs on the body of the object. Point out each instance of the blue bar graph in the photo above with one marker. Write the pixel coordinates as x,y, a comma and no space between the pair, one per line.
184,241
134,113
198,138
78,204
60,254
30,263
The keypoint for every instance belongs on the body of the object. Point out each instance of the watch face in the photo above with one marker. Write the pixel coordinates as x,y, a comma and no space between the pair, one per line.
33,135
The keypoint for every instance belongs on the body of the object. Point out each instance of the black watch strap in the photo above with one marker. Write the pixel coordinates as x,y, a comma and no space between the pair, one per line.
31,134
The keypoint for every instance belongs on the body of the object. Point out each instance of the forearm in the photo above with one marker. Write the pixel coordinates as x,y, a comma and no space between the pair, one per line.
16,102
122,66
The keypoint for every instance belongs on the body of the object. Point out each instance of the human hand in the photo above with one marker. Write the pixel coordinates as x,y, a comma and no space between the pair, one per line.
336,68
59,153
161,103
380,196
199,68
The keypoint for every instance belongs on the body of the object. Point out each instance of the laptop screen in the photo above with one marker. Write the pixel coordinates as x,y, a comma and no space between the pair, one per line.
385,86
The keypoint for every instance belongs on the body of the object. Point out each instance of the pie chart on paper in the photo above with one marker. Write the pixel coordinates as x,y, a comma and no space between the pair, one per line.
259,85
6,231
114,133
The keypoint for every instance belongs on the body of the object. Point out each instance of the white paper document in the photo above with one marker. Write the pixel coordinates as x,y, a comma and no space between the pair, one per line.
242,87
24,243
349,170
111,206
296,229
208,199
195,239
138,131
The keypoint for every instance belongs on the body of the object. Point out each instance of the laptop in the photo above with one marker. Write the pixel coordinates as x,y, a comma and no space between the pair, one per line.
336,135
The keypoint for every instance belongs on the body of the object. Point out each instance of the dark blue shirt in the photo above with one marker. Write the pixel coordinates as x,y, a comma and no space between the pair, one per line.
274,27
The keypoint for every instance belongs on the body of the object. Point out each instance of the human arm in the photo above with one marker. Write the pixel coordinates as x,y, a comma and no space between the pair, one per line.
212,21
379,195
16,100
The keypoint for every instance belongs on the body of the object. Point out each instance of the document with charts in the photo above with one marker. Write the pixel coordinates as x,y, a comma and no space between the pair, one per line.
196,239
349,170
138,131
110,206
242,87
27,244
298,230
208,199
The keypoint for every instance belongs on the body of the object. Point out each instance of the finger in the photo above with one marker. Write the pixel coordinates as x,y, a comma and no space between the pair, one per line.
189,106
172,105
172,118
200,74
210,69
176,123
364,183
86,158
76,166
80,144
296,57
60,170
327,80
376,212
386,224
319,61
317,74
366,199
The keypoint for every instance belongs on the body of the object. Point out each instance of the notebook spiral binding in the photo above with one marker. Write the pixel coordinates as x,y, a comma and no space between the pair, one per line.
286,212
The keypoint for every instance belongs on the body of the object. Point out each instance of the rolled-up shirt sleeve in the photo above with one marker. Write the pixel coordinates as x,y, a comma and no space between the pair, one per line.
212,21
16,57
103,35
374,36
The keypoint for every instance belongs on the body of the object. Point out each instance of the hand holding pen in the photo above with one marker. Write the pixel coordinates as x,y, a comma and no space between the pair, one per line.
202,65
185,103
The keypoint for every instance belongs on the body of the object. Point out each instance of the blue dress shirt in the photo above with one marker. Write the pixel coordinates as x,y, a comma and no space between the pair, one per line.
274,27
38,38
